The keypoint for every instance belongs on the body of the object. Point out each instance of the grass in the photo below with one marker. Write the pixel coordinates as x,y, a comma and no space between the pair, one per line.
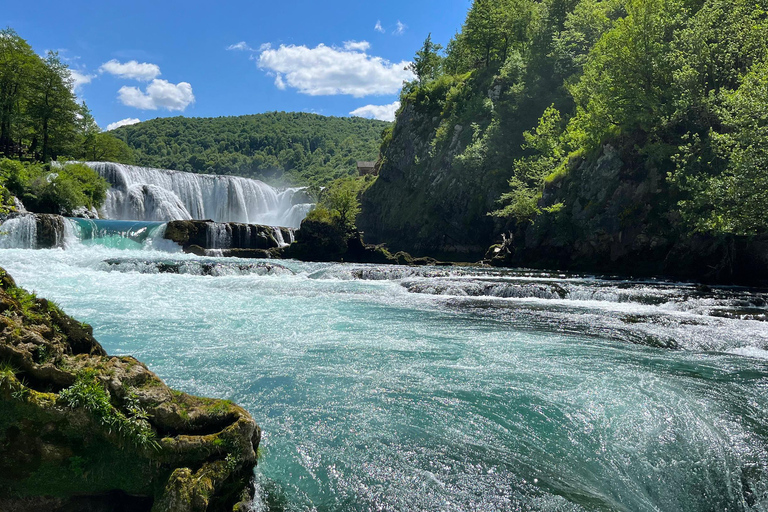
90,394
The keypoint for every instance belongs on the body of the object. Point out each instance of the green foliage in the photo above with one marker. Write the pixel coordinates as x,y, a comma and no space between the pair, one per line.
732,200
531,172
40,118
90,394
54,189
427,63
677,85
277,146
339,203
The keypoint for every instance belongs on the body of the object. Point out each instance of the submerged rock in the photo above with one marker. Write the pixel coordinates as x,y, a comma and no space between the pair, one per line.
80,430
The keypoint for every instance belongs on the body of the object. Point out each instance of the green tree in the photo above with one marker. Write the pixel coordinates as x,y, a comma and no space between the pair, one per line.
53,108
548,154
427,63
18,68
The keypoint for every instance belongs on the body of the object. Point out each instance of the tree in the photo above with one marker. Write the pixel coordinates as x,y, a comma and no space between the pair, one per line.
53,108
427,63
343,203
18,66
484,31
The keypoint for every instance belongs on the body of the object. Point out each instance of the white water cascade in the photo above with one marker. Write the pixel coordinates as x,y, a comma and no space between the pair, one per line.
19,233
146,194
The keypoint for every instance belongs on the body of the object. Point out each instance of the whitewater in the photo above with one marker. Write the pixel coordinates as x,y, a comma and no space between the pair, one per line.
423,388
148,194
401,388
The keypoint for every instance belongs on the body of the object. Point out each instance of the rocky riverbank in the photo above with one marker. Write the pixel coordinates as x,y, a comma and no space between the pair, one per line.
80,430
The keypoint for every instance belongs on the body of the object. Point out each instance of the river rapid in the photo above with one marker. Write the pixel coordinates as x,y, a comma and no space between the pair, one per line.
401,388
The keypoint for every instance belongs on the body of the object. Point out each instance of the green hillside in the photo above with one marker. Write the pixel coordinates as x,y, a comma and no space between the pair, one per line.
276,146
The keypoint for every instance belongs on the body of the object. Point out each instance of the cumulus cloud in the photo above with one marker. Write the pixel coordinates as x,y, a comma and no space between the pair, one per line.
400,29
143,71
159,94
241,46
381,112
378,27
123,122
325,71
79,80
357,45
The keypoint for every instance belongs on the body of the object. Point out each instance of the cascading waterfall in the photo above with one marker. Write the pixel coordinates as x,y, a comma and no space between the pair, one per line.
116,234
218,236
19,233
146,194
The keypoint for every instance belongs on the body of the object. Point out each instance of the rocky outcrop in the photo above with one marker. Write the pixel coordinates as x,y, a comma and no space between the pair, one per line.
424,204
321,241
80,430
197,236
615,213
50,230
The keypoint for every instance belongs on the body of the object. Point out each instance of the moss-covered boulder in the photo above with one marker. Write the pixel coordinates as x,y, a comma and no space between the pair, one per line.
80,430
318,241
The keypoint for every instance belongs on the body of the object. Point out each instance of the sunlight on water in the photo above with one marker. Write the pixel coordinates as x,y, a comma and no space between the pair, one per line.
396,388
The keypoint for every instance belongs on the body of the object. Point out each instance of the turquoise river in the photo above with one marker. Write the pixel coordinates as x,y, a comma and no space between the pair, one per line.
446,389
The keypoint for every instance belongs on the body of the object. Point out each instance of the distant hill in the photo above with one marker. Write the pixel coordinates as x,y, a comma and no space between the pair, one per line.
276,146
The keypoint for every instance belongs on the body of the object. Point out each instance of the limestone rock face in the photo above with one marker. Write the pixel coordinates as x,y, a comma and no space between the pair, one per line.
421,202
320,241
80,430
618,215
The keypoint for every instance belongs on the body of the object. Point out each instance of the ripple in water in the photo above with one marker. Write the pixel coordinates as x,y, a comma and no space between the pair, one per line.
388,388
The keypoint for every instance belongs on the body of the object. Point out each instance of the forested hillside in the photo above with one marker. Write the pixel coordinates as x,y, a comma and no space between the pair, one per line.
277,146
607,128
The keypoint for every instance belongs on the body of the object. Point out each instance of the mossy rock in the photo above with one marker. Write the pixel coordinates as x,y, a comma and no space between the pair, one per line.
80,430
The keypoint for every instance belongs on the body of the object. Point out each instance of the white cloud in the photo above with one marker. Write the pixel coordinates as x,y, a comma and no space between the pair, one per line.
159,94
143,71
123,122
79,80
400,30
325,71
381,112
357,45
242,45
378,27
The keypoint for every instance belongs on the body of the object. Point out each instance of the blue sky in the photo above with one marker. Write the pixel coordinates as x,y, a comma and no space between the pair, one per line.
147,59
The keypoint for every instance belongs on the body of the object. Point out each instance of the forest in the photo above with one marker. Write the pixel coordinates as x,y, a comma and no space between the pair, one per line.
277,147
530,97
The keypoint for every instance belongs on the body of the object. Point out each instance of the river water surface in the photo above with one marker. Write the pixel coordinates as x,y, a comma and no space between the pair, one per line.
397,388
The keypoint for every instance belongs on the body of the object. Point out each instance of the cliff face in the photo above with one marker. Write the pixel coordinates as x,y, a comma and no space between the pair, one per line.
423,203
616,213
80,430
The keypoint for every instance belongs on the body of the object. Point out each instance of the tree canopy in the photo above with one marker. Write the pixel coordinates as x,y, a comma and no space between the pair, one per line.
278,147
676,85
40,118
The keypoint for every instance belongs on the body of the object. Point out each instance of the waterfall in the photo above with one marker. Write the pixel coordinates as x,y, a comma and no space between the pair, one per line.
117,234
146,194
19,233
279,237
218,236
